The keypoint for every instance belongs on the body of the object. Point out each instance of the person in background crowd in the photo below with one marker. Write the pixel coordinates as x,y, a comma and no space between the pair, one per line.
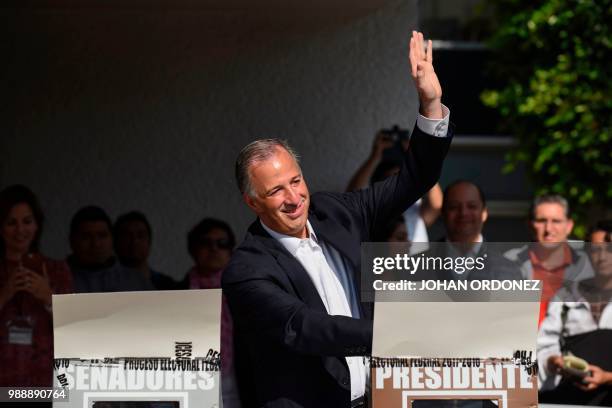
601,235
27,281
132,235
210,244
395,231
421,214
550,259
94,267
464,212
579,321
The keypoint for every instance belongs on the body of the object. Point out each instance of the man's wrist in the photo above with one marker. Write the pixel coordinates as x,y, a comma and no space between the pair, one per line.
432,109
434,127
374,158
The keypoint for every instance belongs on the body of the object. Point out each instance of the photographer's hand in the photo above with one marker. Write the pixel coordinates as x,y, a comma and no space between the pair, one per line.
362,176
381,143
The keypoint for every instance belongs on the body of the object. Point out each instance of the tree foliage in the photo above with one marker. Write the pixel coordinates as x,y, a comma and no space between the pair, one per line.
553,60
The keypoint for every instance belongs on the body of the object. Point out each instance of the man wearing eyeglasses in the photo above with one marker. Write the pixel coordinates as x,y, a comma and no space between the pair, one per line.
210,244
293,284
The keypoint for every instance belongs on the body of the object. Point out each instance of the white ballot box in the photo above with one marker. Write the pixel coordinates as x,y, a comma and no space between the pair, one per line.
157,349
476,354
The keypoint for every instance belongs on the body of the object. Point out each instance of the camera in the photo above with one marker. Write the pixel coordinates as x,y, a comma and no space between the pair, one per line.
396,134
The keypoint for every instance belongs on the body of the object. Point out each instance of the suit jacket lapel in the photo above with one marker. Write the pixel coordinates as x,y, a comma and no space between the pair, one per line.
295,271
338,237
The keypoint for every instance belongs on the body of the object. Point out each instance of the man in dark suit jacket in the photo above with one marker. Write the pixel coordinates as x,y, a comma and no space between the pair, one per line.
294,330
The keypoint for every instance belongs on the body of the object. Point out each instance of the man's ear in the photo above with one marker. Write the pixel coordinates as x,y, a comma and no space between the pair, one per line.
248,199
485,215
570,226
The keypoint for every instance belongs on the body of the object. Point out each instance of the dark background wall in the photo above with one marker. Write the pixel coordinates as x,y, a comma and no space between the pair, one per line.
144,105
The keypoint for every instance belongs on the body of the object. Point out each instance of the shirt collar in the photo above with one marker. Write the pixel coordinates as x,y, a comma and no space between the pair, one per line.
292,243
474,249
479,239
567,258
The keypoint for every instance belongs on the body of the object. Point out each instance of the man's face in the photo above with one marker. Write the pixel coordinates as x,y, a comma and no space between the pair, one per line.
464,213
92,243
281,197
601,254
550,226
133,243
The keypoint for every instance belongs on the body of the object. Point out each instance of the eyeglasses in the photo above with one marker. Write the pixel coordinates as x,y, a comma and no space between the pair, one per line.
222,243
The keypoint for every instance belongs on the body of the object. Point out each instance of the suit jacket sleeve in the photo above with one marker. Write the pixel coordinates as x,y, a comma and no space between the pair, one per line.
389,198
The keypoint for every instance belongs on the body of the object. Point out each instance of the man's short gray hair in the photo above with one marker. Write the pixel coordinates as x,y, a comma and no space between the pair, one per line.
549,199
257,151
